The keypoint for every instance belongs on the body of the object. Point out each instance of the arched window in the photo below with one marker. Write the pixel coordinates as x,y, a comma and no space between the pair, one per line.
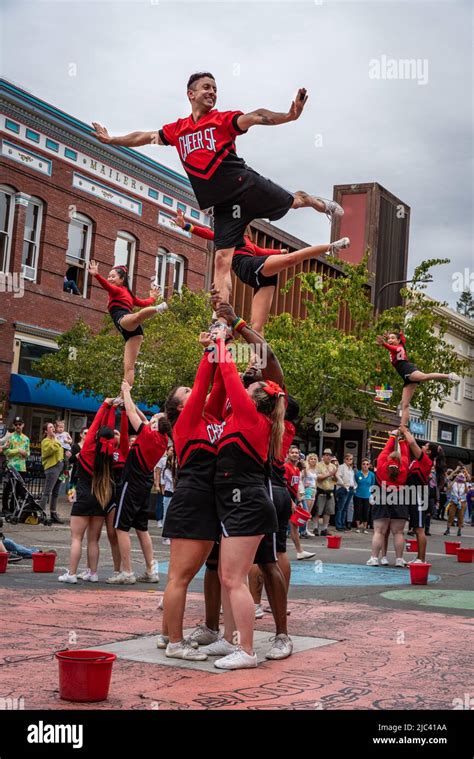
78,250
124,252
178,280
160,268
31,239
7,205
164,259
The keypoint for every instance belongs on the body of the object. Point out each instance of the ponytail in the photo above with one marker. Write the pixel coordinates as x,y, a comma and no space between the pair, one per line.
103,483
273,406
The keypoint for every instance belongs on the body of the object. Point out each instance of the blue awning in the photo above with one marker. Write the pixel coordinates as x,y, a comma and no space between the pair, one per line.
28,390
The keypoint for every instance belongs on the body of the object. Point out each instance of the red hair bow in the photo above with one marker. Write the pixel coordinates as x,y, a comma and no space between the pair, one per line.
107,445
272,388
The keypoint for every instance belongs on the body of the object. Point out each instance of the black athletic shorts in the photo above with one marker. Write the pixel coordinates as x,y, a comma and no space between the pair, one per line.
245,510
405,368
282,501
86,504
260,199
117,313
192,515
386,511
248,270
267,550
132,507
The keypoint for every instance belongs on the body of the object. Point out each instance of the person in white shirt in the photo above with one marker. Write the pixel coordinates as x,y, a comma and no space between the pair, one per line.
164,480
346,485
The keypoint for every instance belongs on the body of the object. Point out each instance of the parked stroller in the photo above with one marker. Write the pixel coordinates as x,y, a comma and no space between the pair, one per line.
23,505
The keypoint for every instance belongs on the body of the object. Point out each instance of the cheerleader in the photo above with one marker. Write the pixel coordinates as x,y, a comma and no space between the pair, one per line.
395,343
120,304
150,443
252,435
191,520
259,267
94,491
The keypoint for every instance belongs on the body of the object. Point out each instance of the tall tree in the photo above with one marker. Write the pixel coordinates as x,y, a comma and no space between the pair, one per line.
465,304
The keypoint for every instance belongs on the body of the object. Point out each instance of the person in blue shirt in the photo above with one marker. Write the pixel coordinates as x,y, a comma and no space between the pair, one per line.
364,478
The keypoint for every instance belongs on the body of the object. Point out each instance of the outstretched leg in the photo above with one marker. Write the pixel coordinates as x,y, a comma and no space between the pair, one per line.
422,377
131,351
407,395
132,321
302,199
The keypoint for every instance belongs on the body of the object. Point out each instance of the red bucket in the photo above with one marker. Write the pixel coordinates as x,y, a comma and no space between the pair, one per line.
466,555
412,545
451,547
84,675
3,562
419,573
300,516
43,562
334,541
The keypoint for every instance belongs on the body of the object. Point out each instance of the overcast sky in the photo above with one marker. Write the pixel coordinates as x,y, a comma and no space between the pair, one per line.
133,60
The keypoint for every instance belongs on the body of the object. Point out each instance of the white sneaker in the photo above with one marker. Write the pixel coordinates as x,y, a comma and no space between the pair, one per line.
66,577
162,641
259,613
310,534
220,647
91,577
454,378
166,541
239,659
384,561
111,579
84,575
161,307
147,577
338,245
400,563
159,524
184,650
203,636
282,647
160,603
332,208
373,561
357,529
415,561
122,578
304,555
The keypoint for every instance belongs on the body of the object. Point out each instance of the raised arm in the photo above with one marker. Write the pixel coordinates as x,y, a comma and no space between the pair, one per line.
132,140
195,229
215,403
93,269
130,407
242,404
414,447
124,441
194,407
264,117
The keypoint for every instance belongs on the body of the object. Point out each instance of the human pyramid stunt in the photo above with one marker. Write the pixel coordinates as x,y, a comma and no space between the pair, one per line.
235,484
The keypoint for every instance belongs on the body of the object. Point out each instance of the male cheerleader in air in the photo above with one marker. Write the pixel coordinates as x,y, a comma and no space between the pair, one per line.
395,343
205,141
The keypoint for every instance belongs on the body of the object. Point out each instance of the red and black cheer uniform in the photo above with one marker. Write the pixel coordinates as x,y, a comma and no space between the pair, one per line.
192,512
248,259
86,504
399,360
418,475
280,490
244,506
121,302
396,508
119,457
137,479
220,178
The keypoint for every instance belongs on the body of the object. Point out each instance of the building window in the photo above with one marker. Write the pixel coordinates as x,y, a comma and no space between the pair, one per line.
195,214
456,393
178,274
31,135
7,206
30,355
447,433
70,154
52,145
167,200
78,251
469,391
181,207
12,126
124,252
160,269
31,240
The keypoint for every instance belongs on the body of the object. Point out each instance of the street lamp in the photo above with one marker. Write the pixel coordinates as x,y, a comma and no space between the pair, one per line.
397,282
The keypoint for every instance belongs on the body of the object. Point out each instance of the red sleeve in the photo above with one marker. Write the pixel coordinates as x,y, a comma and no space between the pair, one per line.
392,348
124,441
204,232
266,251
242,405
142,302
168,133
112,289
192,412
216,400
229,118
109,417
88,447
